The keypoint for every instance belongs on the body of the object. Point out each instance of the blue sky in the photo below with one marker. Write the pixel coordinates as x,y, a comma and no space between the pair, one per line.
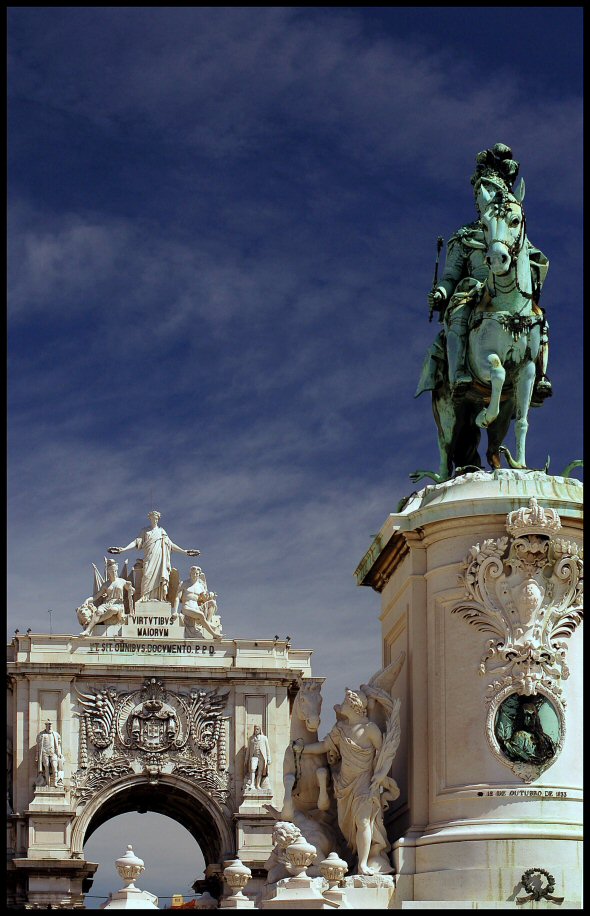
222,230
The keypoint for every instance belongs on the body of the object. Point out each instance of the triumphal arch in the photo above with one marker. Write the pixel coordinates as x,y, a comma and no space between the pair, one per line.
150,706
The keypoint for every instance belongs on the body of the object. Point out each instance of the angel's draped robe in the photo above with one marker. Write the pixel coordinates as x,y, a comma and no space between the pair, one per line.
352,788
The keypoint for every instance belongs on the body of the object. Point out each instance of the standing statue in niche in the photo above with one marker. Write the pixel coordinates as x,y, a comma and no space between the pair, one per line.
489,362
365,752
48,754
258,760
157,548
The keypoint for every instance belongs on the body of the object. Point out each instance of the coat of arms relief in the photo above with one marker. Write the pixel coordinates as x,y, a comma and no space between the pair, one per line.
526,590
154,731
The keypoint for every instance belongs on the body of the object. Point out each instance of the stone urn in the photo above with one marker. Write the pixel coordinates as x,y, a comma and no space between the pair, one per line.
129,867
237,875
299,855
333,870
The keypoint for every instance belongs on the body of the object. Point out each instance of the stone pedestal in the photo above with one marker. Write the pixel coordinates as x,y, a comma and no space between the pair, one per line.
254,826
59,882
363,892
467,824
358,892
132,898
297,893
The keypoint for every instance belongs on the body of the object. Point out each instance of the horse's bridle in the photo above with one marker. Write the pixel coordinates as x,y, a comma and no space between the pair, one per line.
500,203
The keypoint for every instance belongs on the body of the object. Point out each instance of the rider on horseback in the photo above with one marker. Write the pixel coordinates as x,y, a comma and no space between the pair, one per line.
466,270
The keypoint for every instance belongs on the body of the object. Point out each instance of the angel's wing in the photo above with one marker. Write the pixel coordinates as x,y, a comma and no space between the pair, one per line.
378,691
390,745
386,677
173,585
98,580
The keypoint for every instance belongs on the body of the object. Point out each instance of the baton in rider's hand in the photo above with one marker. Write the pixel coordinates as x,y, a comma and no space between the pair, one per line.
439,243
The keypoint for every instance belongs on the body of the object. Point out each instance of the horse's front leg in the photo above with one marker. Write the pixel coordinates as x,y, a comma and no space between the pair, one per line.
523,391
289,781
446,419
497,376
287,811
322,777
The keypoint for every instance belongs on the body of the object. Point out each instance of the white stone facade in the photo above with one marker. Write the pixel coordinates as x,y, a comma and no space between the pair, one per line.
162,720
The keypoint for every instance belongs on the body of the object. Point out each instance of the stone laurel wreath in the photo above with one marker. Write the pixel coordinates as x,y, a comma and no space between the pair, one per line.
538,893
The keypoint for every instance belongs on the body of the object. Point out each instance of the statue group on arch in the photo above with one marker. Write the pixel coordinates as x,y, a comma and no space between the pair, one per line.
116,594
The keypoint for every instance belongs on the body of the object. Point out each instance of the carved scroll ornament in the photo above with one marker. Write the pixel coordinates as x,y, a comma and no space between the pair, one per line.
154,731
526,590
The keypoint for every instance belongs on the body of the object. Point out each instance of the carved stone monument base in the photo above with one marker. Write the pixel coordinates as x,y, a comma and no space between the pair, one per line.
48,795
255,800
480,583
233,903
132,898
370,892
360,892
302,893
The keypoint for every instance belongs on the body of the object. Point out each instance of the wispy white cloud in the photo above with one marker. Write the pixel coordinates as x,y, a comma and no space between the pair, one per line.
224,81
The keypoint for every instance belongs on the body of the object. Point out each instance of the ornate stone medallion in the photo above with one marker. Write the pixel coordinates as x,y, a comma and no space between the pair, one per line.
524,732
525,589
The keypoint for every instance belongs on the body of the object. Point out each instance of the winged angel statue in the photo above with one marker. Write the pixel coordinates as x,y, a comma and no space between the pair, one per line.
360,748
111,599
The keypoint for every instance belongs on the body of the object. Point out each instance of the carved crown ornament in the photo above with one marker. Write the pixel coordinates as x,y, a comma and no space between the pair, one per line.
526,590
151,730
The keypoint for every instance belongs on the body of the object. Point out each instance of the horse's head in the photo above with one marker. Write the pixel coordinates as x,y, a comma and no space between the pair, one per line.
502,219
308,704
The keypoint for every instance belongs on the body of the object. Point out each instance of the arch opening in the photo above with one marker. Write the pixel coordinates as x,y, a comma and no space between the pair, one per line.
200,816
174,863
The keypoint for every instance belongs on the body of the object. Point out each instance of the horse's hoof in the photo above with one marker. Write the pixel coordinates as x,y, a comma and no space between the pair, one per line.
323,800
482,420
